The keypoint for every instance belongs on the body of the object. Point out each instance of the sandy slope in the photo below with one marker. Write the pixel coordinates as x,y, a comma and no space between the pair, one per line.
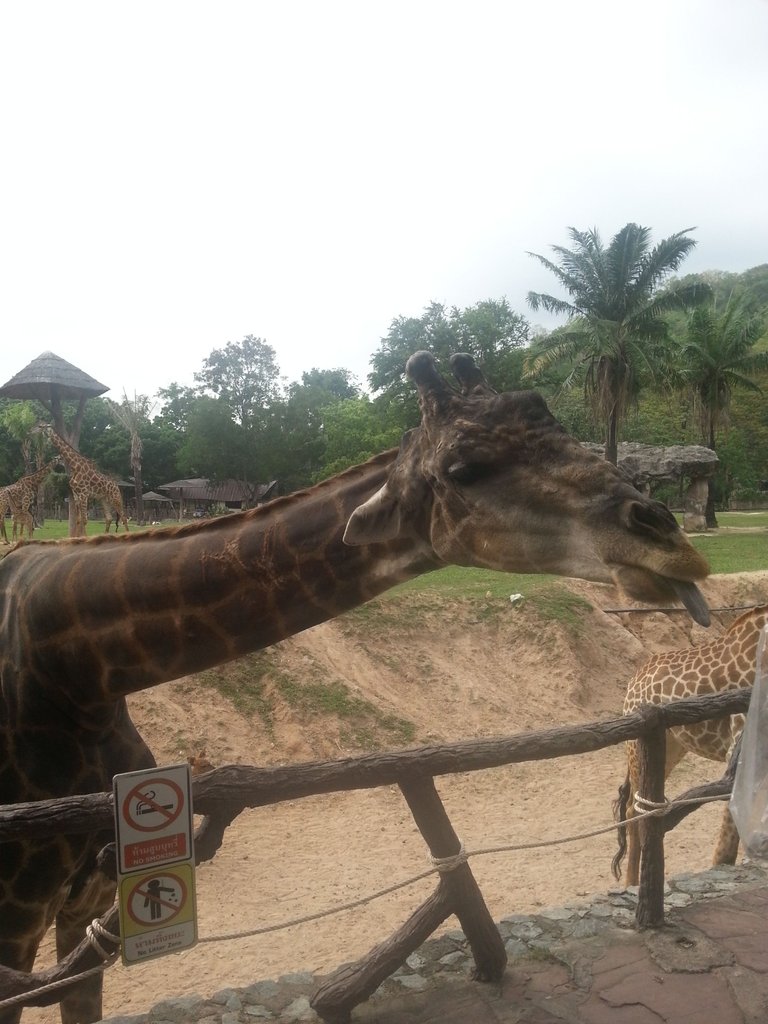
455,672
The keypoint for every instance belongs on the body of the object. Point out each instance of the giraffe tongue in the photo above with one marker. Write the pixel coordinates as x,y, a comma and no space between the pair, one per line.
693,599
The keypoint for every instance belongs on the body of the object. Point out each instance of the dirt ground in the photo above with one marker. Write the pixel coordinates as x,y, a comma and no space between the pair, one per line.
454,671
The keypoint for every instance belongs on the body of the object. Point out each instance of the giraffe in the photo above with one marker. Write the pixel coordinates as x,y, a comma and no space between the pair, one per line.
485,479
5,508
727,663
85,481
19,498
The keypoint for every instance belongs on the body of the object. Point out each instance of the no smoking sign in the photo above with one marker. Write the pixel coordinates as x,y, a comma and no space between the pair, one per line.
153,817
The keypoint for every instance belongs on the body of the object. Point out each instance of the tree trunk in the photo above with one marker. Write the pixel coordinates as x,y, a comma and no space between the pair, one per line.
612,440
711,518
139,489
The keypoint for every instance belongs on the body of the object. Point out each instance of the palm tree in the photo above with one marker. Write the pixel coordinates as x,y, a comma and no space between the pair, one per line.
132,414
616,337
717,357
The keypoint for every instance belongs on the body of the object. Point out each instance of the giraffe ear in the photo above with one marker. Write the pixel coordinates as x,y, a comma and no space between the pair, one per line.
375,521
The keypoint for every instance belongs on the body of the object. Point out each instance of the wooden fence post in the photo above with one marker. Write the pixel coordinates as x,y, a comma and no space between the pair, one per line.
651,750
457,893
466,899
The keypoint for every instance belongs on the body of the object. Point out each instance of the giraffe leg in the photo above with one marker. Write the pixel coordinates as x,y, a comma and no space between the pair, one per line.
82,1003
675,753
23,519
727,846
18,948
632,870
20,956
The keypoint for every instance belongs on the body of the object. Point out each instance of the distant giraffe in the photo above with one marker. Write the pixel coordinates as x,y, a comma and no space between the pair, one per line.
727,663
20,498
5,508
86,481
487,480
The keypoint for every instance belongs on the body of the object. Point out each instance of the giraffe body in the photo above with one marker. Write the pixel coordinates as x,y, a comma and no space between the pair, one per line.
727,663
87,481
5,508
487,480
19,498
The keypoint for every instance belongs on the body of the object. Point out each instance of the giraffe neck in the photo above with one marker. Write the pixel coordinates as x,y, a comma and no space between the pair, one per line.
70,455
36,478
105,617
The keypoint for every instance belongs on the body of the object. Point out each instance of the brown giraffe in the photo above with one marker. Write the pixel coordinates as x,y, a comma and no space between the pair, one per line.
20,498
485,480
727,663
5,508
86,481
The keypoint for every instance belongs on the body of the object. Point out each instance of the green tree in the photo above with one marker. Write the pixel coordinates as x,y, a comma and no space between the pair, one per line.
213,444
355,430
496,336
132,415
18,419
175,403
717,357
244,374
298,425
617,338
490,331
11,461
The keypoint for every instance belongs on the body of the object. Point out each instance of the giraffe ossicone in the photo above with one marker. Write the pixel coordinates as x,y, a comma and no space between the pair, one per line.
489,480
726,663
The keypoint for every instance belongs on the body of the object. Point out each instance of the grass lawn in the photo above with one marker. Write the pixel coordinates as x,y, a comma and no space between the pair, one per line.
55,529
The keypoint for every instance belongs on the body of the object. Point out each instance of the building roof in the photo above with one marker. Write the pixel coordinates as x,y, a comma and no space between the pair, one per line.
201,489
50,375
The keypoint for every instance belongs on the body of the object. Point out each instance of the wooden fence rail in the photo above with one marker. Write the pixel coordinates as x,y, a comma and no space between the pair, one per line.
220,795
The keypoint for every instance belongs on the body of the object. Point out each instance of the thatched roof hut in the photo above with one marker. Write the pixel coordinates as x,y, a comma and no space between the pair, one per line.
49,378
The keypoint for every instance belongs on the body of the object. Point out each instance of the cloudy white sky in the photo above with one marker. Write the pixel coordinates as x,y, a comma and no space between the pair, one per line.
177,175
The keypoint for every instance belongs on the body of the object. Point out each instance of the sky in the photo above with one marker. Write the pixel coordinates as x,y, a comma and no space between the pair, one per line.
178,175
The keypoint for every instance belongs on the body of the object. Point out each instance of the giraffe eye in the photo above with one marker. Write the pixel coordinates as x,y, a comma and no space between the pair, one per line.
467,473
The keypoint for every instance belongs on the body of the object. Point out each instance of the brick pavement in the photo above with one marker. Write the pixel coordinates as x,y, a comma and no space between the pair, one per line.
709,965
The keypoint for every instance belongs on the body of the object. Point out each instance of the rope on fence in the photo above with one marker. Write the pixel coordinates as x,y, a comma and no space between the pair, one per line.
461,856
439,864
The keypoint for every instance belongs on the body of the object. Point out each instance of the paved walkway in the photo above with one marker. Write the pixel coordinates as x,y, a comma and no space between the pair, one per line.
578,964
709,966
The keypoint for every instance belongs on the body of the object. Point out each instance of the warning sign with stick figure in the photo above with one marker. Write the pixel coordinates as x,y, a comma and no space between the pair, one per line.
156,874
157,912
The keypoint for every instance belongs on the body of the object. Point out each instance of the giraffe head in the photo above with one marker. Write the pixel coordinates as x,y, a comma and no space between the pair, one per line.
493,480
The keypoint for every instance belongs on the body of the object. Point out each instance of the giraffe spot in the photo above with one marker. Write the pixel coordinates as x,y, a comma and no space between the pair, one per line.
13,856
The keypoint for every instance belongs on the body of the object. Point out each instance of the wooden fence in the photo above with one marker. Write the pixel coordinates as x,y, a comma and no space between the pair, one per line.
220,795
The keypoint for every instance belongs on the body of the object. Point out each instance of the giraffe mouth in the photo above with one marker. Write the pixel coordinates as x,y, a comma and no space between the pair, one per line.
655,588
693,599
